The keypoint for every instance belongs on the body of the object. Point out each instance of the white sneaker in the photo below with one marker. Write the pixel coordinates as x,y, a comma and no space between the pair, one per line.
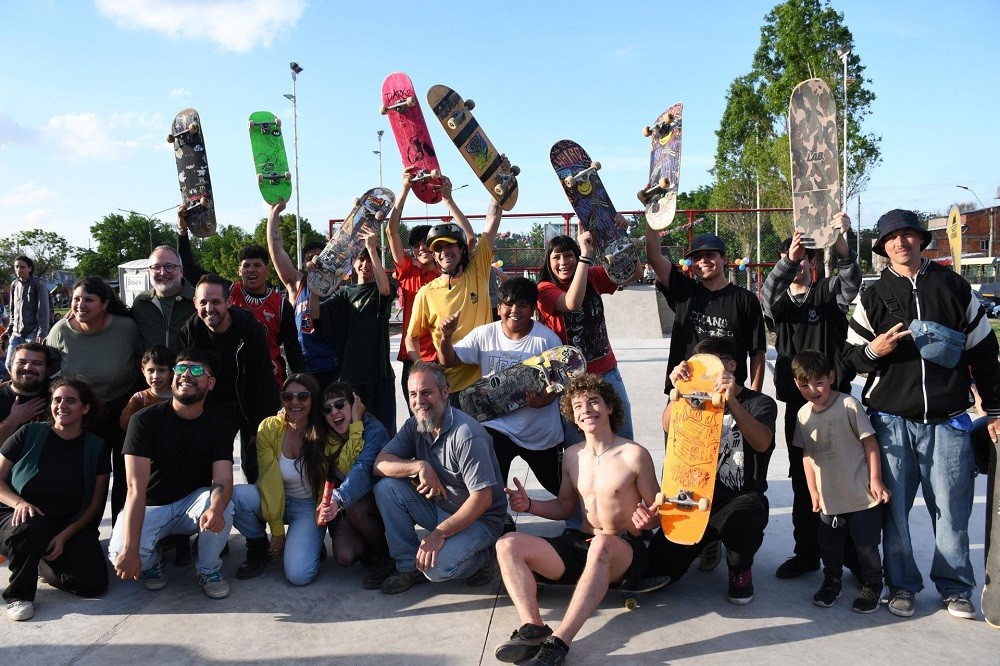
19,610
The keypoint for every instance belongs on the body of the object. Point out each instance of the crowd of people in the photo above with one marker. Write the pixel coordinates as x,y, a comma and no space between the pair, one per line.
149,401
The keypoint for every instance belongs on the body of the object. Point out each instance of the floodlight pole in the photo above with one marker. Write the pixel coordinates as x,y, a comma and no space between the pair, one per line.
296,70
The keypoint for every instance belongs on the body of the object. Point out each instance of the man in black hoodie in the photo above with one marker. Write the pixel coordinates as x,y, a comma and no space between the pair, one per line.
245,379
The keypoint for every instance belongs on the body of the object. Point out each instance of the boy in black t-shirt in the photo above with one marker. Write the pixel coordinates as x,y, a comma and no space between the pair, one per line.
739,510
179,465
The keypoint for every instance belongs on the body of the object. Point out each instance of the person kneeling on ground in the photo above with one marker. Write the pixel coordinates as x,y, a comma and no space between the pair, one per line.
739,510
440,473
608,549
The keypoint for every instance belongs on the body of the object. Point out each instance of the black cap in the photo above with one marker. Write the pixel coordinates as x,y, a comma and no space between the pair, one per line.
704,242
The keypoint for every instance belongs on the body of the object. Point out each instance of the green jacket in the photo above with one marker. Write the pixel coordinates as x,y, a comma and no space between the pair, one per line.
157,328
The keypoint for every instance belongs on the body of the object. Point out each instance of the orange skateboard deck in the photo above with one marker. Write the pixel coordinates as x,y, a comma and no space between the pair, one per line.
692,453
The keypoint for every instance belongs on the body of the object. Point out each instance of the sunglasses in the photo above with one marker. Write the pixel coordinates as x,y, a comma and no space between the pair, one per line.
301,396
195,370
336,404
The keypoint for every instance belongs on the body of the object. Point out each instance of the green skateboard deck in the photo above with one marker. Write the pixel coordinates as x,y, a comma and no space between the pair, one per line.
269,157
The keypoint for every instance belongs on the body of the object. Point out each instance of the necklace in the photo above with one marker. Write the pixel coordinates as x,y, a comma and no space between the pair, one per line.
597,455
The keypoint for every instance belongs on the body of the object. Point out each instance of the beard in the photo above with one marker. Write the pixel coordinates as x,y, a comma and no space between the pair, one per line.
28,385
426,424
190,398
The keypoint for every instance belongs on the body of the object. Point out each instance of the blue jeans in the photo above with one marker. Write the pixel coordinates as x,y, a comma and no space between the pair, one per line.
939,459
181,517
571,435
303,538
402,507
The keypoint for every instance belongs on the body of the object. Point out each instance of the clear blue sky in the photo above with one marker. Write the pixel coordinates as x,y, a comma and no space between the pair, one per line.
89,89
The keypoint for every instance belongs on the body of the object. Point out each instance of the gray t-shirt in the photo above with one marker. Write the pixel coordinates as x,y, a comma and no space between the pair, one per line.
463,458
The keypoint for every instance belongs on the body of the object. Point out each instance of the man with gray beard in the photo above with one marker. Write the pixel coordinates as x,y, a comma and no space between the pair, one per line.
162,311
439,472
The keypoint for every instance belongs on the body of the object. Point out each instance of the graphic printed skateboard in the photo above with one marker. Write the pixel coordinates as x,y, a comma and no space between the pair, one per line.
812,134
192,172
660,194
692,453
586,193
269,158
504,391
463,129
336,261
414,141
955,238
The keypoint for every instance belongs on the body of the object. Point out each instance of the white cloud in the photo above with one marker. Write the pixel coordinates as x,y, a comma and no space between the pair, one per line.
27,193
235,25
180,92
83,137
37,216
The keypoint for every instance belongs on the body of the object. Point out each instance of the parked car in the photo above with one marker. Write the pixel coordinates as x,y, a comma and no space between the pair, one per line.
992,309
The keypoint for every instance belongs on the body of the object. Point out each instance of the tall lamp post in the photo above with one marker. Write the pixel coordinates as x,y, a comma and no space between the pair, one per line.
296,70
989,251
843,52
149,221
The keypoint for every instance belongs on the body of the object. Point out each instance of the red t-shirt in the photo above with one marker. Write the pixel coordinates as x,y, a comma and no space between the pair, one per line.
584,328
411,278
267,311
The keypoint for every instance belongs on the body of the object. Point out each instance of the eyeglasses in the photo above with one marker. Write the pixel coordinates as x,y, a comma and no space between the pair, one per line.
336,404
166,268
195,370
301,396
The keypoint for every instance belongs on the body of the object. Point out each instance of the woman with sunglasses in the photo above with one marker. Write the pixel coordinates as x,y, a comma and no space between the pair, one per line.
355,525
53,485
292,452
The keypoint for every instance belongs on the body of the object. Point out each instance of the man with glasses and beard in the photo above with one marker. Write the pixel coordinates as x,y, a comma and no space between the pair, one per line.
179,466
23,399
440,473
162,311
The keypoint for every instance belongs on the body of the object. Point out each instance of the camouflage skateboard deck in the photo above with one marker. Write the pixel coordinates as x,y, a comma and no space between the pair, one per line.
269,158
412,137
692,453
504,391
812,134
336,261
660,194
464,131
586,193
192,172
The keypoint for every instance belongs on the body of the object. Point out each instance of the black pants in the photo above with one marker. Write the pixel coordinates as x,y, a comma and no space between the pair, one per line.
865,528
805,521
739,524
404,378
82,569
109,429
379,399
546,464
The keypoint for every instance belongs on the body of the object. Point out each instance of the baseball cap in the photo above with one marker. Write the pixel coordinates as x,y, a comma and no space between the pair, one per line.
703,242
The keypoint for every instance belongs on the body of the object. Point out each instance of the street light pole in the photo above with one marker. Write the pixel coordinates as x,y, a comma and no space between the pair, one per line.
989,251
296,70
149,221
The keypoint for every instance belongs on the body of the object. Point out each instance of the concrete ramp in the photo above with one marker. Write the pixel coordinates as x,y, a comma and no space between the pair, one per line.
633,312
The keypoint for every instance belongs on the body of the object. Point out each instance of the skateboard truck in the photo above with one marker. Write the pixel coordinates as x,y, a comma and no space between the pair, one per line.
425,175
274,178
458,118
265,127
582,175
685,499
646,194
659,128
504,178
192,128
407,103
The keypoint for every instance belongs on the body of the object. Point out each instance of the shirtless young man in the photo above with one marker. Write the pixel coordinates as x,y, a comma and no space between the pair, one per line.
611,476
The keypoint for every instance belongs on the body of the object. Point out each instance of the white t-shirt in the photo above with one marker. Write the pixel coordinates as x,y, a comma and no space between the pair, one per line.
295,483
488,347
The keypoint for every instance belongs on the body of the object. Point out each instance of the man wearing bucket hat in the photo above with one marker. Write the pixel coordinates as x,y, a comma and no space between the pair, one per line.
917,333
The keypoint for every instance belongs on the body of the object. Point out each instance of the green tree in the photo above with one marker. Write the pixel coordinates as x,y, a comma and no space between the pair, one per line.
287,225
47,249
120,239
698,199
218,254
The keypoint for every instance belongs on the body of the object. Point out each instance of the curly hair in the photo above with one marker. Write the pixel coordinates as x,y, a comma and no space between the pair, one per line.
591,384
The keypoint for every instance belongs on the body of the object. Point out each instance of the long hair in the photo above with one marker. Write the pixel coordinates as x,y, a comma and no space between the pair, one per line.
310,461
96,286
557,244
87,397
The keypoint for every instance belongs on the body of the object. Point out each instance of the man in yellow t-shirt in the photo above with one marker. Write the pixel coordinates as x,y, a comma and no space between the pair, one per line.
463,288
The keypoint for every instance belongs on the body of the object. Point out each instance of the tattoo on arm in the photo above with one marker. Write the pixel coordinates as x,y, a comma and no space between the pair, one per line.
216,489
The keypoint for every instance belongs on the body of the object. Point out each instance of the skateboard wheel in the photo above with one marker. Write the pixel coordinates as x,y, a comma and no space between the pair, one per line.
664,184
642,196
515,171
716,400
675,395
260,178
277,122
379,216
435,173
703,504
193,128
288,176
498,190
170,138
646,131
357,202
596,166
631,603
382,109
470,104
451,124
660,497
411,102
568,181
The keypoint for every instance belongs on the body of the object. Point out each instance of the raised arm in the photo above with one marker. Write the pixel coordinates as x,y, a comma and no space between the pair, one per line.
573,298
283,264
460,219
396,245
659,263
370,238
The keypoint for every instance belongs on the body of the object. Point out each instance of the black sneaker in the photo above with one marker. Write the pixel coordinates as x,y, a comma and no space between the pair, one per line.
379,569
828,593
644,584
868,599
508,524
552,652
740,587
523,643
711,555
401,581
258,556
796,565
484,575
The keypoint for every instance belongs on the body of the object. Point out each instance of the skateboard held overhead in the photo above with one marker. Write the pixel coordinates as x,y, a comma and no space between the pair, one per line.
269,157
506,390
660,194
691,459
463,129
336,261
192,172
812,139
586,193
412,137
